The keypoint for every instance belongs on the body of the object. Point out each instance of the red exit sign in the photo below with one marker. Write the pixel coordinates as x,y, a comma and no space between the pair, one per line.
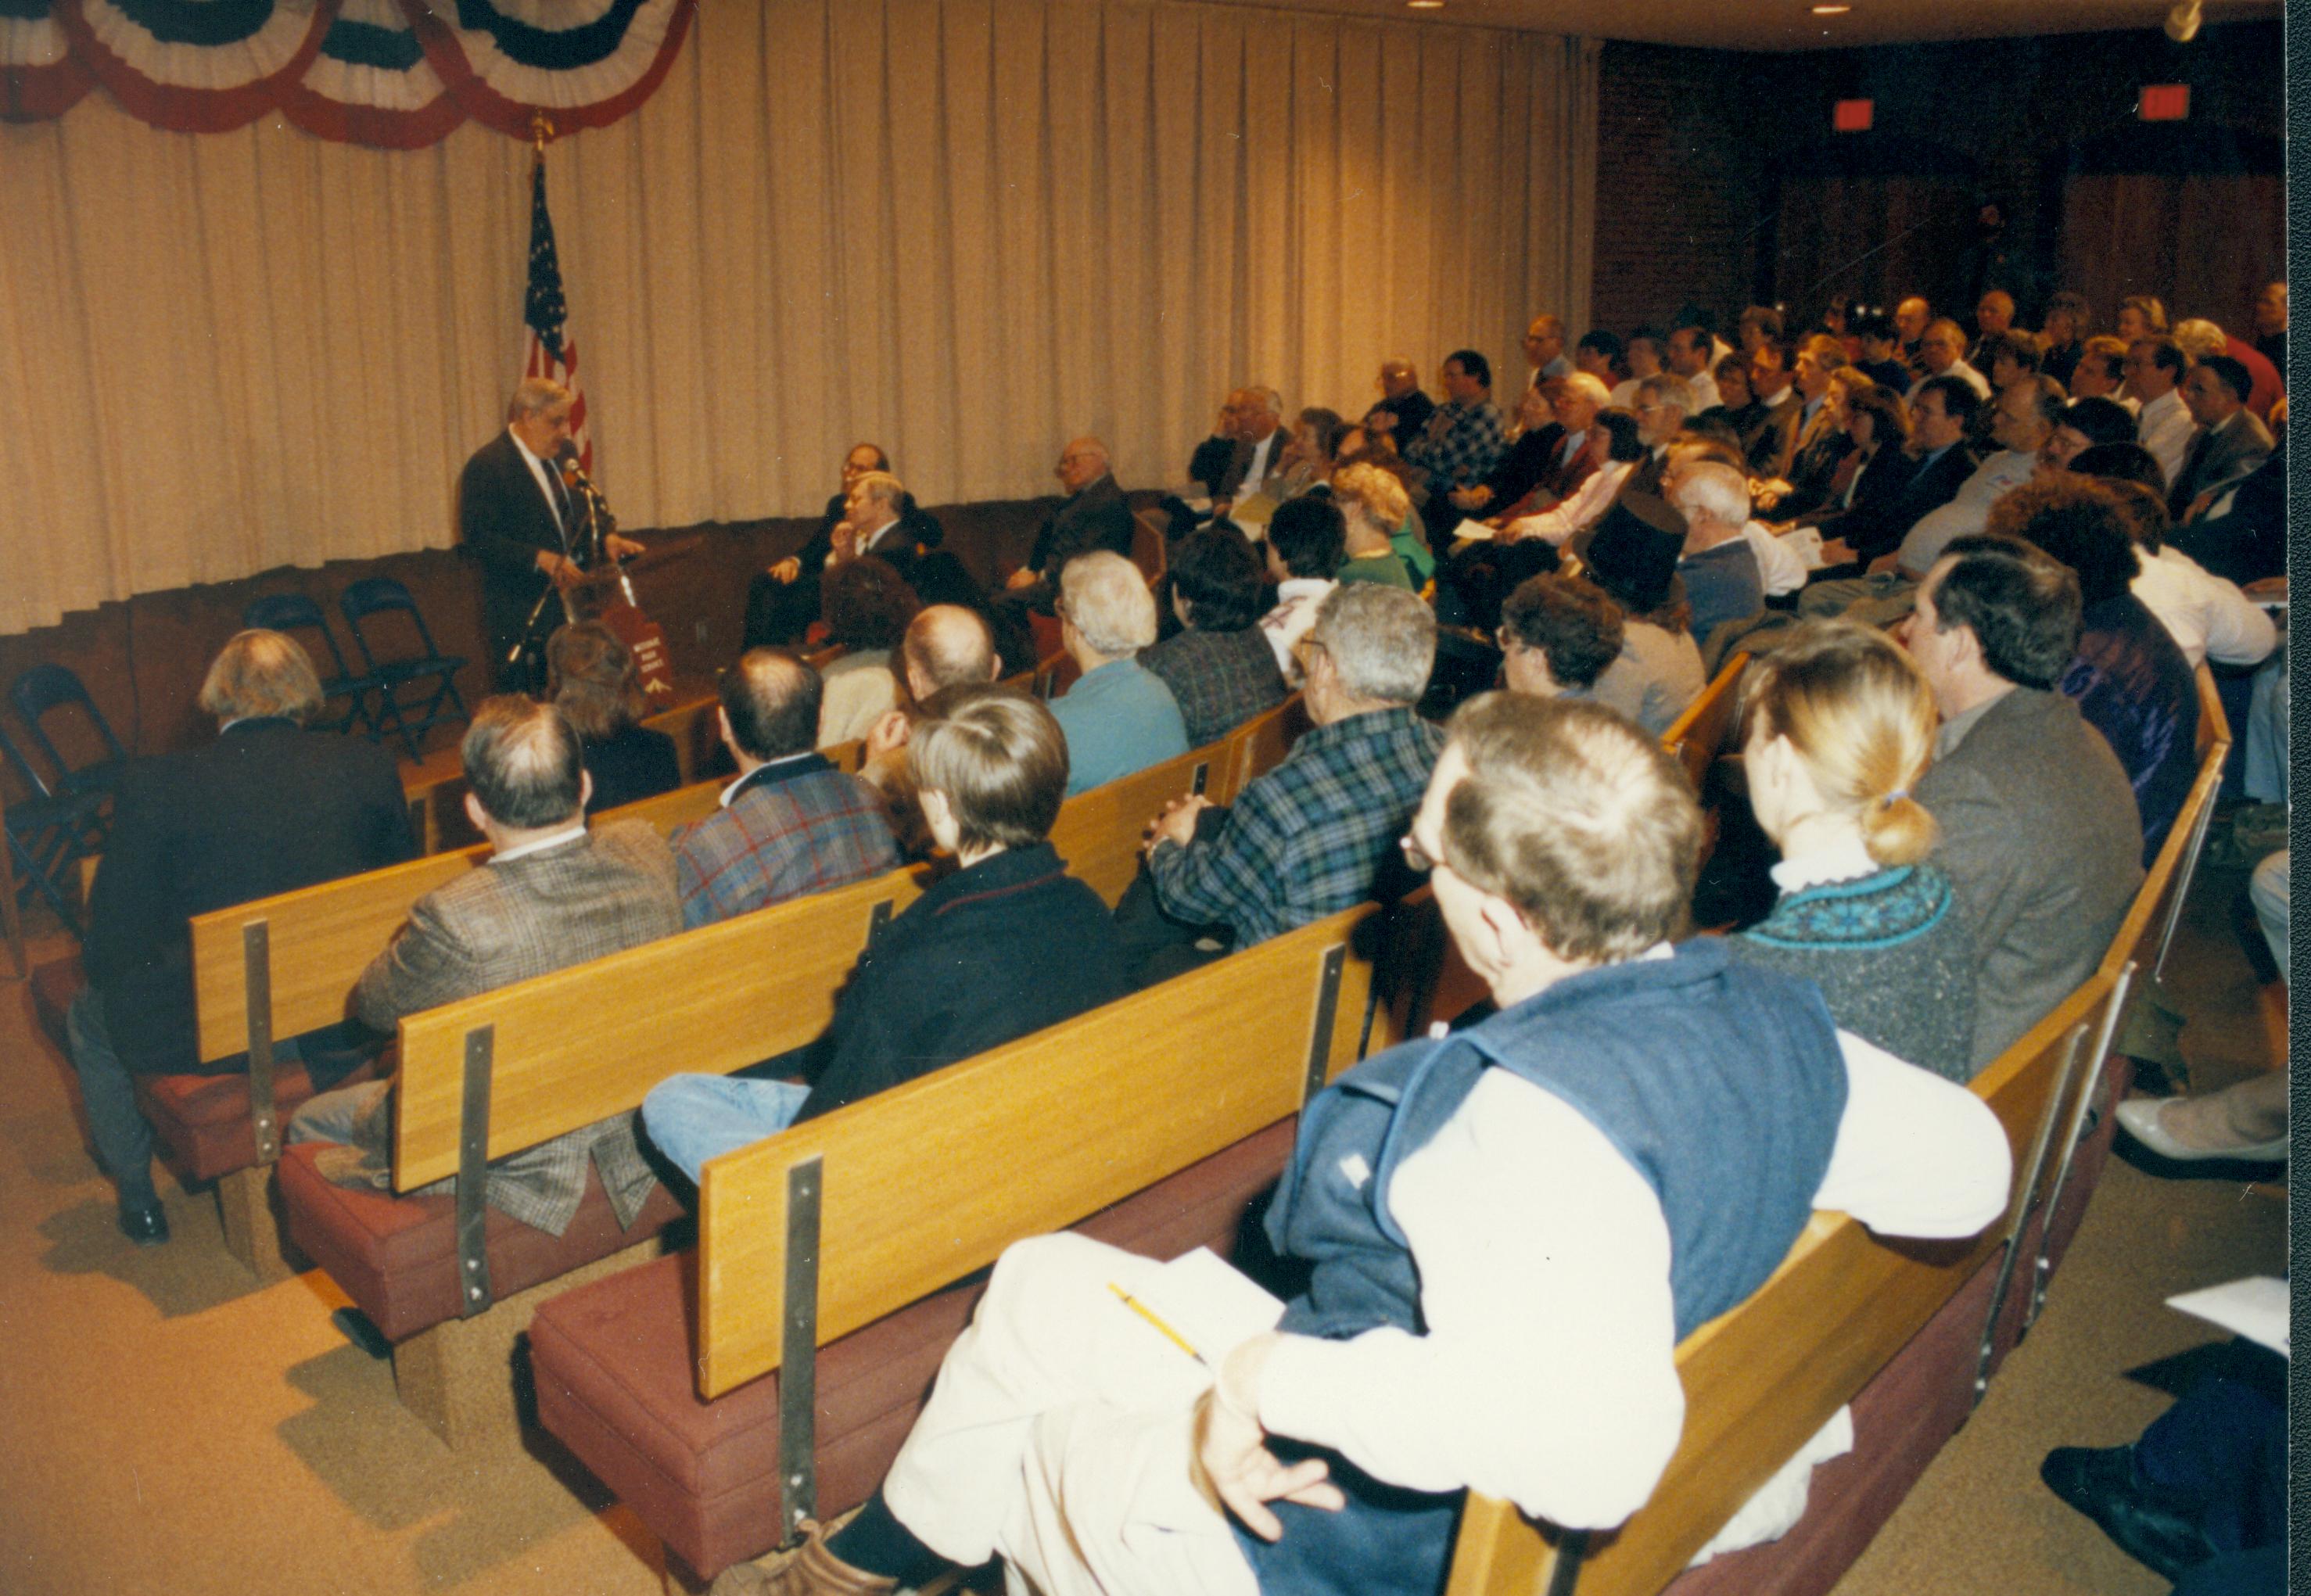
2165,103
1852,115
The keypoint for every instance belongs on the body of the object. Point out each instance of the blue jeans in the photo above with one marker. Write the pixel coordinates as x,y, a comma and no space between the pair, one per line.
2267,889
692,1118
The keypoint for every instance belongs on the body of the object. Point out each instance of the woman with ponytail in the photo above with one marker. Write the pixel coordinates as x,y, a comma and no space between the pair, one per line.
1841,726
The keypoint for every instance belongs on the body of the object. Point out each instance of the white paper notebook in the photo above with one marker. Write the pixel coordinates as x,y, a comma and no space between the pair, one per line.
1211,1307
2255,1307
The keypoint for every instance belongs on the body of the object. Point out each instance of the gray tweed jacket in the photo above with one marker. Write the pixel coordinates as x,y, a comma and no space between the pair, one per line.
608,891
2041,838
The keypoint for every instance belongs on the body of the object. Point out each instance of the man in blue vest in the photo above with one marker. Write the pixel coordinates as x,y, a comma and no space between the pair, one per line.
1506,1231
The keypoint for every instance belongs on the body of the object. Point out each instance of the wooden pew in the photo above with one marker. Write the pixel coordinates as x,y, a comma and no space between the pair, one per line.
1698,736
504,1071
1260,744
1098,832
280,966
1762,1379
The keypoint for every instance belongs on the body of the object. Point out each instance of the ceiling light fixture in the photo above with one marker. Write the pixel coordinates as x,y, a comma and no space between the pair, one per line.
1831,11
1425,4
2182,21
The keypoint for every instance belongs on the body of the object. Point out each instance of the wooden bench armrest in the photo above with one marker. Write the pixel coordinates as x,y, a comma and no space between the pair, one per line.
1098,832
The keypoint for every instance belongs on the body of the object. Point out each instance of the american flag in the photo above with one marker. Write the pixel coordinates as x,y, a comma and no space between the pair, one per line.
549,350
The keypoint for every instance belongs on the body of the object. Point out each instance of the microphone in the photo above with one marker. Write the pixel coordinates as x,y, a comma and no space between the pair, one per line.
566,459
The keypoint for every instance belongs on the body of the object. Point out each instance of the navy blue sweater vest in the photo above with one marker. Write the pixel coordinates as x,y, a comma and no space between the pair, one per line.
1722,1085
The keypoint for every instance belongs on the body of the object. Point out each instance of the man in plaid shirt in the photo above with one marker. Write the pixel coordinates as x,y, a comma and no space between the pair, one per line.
791,824
1462,441
1311,836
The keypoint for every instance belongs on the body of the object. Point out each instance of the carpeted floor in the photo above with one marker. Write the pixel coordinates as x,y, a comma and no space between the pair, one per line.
166,1426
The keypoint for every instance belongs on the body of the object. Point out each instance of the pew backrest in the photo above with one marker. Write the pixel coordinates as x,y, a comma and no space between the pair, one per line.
1098,832
2144,934
917,1187
1260,744
566,1049
1763,1378
1696,738
692,727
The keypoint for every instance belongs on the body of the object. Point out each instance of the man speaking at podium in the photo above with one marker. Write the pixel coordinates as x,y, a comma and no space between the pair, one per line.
515,516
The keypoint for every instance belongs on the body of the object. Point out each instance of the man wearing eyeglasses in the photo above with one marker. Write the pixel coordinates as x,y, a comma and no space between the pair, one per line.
1506,1231
1094,517
1311,836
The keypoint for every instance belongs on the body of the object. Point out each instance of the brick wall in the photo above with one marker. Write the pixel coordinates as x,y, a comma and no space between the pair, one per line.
1690,143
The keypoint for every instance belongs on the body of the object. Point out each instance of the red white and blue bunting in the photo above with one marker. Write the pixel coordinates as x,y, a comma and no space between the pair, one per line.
395,73
39,76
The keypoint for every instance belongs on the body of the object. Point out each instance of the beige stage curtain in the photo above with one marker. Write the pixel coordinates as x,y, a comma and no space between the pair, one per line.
966,229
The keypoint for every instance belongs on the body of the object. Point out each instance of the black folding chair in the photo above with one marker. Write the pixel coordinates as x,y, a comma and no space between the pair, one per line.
49,835
48,689
292,613
410,688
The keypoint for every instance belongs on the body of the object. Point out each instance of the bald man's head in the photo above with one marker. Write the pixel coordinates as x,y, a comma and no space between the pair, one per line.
770,704
1083,462
948,646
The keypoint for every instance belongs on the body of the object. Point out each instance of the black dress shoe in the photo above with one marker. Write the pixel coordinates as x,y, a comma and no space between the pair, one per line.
146,1224
2148,1524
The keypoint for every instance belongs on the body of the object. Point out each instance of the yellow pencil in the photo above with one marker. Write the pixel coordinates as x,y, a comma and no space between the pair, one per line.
1170,1335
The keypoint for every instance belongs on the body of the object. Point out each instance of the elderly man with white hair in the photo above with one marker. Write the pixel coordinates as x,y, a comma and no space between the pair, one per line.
1119,716
1719,568
1311,836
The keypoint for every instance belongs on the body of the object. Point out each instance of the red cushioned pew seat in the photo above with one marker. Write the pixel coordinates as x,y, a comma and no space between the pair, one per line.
397,1257
617,1385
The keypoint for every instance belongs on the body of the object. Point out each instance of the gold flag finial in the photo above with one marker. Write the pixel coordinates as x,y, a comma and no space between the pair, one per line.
541,128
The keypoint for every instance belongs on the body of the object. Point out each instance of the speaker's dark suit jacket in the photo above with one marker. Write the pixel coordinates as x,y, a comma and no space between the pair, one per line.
266,808
503,520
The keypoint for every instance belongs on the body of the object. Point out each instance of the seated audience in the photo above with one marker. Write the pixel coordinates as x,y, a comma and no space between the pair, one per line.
1307,539
2101,373
1718,567
1309,838
1911,316
1633,558
2270,326
1821,442
1403,411
867,606
1309,457
2013,357
945,646
1766,448
2091,423
1462,444
1620,450
1544,348
1599,355
2037,819
2229,443
1942,353
268,808
2069,319
2207,617
1218,666
1094,515
1691,356
2242,534
1007,944
1993,318
791,824
1409,540
1257,460
1373,504
2155,367
2203,340
1879,361
1480,1313
2022,419
1558,636
2126,675
783,601
1117,717
1738,405
1641,354
552,894
1780,568
1841,728
1532,438
1665,405
590,677
1939,414
1869,481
